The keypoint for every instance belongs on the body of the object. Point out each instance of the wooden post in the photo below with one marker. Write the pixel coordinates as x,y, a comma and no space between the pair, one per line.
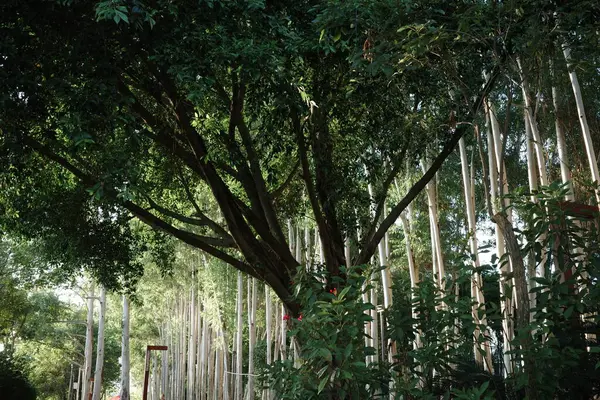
147,367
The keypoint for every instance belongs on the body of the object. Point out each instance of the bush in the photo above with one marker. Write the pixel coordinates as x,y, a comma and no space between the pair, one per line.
330,333
14,384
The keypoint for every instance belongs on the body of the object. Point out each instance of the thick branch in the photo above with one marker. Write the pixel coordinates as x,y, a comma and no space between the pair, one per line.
385,189
371,245
277,192
144,215
225,241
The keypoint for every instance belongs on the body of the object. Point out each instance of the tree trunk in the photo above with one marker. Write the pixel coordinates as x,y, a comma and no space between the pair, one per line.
561,143
538,145
204,359
533,187
435,229
191,373
89,347
79,382
585,129
251,339
374,324
238,337
476,279
125,351
269,339
283,333
414,274
505,269
522,319
100,348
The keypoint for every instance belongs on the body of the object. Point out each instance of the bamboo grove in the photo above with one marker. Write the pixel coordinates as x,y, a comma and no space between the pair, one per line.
313,199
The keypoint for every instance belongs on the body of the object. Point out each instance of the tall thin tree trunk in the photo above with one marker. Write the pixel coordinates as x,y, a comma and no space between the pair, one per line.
529,114
307,247
522,318
252,339
210,367
476,279
269,339
561,143
413,272
238,337
504,281
80,379
89,347
533,187
125,351
433,215
193,339
204,359
374,324
100,347
298,247
217,368
276,335
283,334
585,129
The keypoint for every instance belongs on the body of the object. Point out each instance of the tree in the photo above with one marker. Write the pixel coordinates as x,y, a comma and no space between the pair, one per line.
138,126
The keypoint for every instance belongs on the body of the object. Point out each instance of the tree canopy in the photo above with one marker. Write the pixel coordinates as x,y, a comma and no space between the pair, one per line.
205,120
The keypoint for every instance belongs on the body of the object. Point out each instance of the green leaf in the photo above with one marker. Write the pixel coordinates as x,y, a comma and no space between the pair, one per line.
325,353
322,384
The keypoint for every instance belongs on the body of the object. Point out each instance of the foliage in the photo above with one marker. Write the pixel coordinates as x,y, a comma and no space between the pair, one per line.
14,384
563,237
197,118
332,339
444,361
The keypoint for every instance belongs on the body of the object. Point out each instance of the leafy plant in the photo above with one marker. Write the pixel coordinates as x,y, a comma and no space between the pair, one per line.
331,332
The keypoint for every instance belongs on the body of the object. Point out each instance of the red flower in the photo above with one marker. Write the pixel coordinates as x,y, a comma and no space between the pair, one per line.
300,317
333,291
286,317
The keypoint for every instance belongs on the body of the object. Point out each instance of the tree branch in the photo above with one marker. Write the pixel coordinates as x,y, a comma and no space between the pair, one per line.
144,215
371,245
225,241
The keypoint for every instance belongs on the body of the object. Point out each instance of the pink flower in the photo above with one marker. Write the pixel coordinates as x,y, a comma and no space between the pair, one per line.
300,317
286,317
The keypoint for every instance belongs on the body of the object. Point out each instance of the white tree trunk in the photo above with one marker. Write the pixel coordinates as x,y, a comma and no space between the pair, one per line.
585,129
413,272
538,145
276,335
476,279
204,359
298,247
283,334
435,229
89,347
210,367
269,339
79,383
307,247
347,251
505,303
561,144
252,340
100,348
217,362
238,338
191,373
125,351
375,323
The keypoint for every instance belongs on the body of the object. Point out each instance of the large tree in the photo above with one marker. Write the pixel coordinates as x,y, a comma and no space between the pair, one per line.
215,122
